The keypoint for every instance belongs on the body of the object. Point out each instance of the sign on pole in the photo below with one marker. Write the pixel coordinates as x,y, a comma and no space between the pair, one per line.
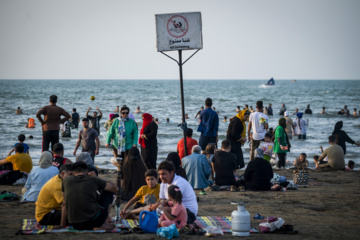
178,31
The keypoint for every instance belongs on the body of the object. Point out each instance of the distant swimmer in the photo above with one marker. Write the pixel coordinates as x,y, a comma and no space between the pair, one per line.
138,110
117,109
355,114
323,110
296,112
266,111
186,116
283,109
225,119
251,109
31,123
18,111
238,109
198,113
308,110
168,120
346,110
247,107
156,120
214,108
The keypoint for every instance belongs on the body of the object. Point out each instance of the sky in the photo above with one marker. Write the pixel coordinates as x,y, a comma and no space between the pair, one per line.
242,39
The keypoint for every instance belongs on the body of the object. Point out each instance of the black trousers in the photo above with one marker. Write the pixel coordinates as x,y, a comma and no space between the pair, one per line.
282,158
51,136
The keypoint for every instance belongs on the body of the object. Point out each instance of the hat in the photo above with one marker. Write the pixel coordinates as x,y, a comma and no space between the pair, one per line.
286,114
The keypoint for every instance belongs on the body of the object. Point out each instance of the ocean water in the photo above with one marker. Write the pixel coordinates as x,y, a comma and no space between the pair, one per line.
162,100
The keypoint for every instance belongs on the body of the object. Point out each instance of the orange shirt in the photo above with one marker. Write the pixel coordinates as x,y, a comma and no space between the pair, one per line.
190,142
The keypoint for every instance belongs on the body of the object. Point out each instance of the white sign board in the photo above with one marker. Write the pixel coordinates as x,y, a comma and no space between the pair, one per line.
178,31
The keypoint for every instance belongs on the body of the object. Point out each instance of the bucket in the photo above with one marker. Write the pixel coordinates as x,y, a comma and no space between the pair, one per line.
148,221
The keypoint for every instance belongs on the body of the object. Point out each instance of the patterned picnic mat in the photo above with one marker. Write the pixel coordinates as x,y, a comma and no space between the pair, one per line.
221,222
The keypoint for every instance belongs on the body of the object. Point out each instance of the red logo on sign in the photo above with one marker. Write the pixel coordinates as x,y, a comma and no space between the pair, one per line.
177,26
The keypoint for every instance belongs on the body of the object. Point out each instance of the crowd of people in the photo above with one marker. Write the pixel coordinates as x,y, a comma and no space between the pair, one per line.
68,192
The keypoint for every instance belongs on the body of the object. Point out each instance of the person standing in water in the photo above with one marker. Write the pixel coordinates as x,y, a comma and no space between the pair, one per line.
342,137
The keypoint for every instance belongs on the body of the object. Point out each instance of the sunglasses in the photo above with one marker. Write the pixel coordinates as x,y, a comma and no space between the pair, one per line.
124,113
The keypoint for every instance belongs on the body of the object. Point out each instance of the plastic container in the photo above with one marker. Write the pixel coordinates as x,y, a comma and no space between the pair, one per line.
148,221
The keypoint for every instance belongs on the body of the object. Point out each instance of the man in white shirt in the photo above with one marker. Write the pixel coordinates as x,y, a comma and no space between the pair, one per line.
168,177
258,123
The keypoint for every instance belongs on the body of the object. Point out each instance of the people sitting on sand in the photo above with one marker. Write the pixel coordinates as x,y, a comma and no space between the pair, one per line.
301,161
145,195
176,213
50,200
350,165
316,159
133,167
342,137
258,173
168,177
335,156
197,169
19,111
190,142
38,176
224,166
175,159
19,161
308,110
58,156
84,208
21,139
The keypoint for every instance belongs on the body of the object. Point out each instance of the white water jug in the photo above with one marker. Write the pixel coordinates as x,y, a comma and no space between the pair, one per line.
240,220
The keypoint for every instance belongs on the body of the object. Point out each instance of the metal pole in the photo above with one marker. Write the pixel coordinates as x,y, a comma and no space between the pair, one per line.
182,99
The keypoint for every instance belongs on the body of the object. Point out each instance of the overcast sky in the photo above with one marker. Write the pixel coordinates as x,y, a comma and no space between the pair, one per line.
242,39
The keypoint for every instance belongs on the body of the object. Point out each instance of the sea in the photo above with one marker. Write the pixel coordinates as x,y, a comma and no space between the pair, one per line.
162,99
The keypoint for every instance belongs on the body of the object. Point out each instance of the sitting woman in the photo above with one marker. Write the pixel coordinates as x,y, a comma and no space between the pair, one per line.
133,171
86,158
39,176
175,159
301,161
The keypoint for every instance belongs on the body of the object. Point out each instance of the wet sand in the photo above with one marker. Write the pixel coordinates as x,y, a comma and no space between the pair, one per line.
328,209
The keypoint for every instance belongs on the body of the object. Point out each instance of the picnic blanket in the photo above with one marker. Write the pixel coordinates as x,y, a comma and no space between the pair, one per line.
28,226
221,222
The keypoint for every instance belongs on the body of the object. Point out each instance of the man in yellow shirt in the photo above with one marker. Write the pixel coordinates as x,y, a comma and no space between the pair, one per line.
20,161
50,199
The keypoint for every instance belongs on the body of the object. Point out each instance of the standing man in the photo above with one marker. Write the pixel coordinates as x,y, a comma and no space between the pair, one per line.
50,123
270,110
209,125
90,139
75,119
95,119
258,123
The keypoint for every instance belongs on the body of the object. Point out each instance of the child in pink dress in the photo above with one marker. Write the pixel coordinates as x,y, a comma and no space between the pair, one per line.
177,213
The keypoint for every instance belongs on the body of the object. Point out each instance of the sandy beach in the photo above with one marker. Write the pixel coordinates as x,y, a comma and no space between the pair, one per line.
327,209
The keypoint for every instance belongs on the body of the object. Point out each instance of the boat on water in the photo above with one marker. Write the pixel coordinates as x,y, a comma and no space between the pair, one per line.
271,82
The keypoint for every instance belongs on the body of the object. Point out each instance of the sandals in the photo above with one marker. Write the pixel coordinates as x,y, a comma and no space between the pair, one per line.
258,216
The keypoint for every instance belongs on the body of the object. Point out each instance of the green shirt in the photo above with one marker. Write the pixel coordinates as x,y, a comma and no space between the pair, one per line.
131,130
280,133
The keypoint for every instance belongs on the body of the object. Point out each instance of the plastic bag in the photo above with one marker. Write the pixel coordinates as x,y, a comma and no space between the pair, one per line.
168,232
212,231
270,224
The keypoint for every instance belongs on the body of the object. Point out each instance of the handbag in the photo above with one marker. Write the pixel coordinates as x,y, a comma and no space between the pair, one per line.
301,176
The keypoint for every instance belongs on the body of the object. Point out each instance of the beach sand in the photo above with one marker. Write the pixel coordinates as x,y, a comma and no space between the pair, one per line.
328,209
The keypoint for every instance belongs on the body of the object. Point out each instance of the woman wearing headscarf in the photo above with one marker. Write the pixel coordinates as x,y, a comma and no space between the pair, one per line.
86,158
133,171
175,159
236,134
148,140
300,126
123,132
39,176
341,136
281,143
